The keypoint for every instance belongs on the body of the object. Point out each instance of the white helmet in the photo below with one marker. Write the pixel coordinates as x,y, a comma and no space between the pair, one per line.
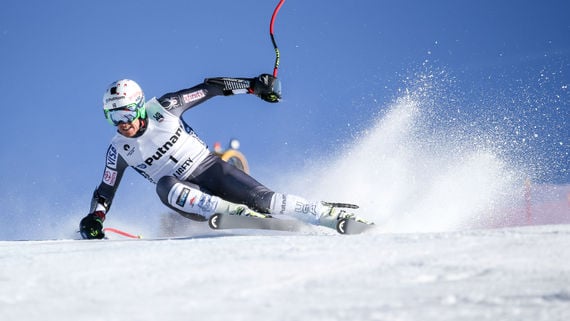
123,102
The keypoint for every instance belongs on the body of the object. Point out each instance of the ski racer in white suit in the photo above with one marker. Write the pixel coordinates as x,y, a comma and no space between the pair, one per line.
154,140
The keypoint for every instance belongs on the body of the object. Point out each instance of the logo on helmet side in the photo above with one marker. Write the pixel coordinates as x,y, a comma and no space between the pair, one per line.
114,98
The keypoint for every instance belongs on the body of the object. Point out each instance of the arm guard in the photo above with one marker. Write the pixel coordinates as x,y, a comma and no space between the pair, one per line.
232,86
99,200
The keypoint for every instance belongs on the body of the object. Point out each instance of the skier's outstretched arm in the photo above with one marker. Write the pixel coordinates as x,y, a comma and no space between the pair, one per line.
265,86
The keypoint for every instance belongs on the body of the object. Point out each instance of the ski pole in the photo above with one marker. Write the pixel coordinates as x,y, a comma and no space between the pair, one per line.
276,66
123,233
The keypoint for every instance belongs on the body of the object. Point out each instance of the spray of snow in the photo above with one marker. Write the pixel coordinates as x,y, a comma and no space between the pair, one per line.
416,171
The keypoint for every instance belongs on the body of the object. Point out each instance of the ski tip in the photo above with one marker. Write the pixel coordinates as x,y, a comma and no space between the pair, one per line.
213,222
341,226
348,226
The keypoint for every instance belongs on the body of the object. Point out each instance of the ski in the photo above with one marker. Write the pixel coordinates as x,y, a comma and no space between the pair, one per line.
223,221
348,226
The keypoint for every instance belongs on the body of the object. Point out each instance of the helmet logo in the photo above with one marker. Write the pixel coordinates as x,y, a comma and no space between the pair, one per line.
114,98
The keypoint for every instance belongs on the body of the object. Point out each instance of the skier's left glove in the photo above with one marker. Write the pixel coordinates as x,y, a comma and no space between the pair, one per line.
267,88
91,226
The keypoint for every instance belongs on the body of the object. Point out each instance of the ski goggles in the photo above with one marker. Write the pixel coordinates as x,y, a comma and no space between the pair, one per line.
124,114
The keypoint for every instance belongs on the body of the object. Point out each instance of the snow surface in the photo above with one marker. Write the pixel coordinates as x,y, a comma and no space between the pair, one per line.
498,274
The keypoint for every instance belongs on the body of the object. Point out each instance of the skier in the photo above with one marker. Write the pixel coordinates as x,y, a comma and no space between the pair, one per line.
154,140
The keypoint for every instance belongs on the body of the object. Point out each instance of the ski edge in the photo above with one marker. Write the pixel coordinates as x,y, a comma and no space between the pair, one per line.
226,222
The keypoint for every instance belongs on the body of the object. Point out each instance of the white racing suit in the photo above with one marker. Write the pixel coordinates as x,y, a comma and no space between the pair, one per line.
190,179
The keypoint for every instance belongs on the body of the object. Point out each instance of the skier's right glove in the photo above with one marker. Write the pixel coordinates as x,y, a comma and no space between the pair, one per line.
91,226
267,88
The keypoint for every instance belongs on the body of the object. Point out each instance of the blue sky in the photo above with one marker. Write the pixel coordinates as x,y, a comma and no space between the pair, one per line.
342,63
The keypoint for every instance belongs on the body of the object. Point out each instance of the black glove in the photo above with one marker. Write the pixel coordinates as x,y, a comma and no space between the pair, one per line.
267,88
91,226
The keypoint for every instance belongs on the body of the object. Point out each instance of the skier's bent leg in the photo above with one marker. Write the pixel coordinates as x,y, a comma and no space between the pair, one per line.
190,201
232,184
312,212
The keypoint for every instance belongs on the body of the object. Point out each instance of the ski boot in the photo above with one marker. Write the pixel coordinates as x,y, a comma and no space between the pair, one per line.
335,212
242,210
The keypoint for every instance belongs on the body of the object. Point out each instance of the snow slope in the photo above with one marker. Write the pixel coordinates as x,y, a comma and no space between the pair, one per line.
503,274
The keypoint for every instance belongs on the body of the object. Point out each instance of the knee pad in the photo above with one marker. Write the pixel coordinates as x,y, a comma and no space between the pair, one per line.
186,198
